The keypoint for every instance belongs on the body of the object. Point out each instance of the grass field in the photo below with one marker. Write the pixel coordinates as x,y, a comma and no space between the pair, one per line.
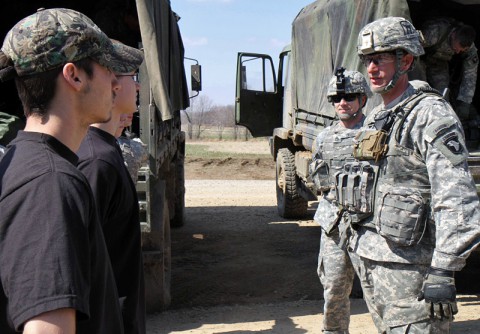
254,149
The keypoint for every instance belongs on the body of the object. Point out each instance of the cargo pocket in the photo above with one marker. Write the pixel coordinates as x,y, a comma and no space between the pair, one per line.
402,216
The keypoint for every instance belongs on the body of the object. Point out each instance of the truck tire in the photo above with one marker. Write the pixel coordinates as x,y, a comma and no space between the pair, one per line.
289,202
179,207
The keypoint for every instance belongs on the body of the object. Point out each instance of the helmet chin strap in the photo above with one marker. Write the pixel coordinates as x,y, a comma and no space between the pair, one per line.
398,72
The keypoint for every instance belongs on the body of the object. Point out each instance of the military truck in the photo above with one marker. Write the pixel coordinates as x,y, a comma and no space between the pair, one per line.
292,108
151,25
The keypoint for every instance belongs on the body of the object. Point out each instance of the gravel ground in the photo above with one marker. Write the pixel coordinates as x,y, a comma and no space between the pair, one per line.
239,268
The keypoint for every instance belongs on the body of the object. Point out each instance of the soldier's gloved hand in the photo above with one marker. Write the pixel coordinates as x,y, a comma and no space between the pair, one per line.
440,292
462,109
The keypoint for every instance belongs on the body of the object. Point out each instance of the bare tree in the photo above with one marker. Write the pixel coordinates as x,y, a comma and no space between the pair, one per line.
222,117
202,114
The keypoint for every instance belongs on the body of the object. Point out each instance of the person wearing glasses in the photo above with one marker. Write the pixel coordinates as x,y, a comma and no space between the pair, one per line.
348,92
416,216
55,271
101,161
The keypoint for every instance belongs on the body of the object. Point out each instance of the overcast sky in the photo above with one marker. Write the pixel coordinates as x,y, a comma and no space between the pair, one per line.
214,31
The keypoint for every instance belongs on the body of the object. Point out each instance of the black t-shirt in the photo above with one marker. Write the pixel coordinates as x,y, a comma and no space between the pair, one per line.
101,160
52,252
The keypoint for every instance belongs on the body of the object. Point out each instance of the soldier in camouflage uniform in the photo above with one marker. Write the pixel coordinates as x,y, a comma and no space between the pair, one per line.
348,92
133,149
445,37
412,191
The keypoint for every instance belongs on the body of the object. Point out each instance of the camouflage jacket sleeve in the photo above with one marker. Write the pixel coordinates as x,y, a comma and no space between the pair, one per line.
469,75
439,139
317,149
431,34
134,155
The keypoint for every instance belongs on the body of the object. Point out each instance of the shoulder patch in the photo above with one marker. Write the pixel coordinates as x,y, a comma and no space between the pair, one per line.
445,136
452,143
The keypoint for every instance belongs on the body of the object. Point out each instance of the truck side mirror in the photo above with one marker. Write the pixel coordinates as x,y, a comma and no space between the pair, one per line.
196,77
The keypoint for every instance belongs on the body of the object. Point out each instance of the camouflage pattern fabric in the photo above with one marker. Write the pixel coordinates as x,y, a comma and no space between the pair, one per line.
396,296
2,151
134,154
336,275
9,126
334,269
53,37
437,63
389,34
354,83
429,157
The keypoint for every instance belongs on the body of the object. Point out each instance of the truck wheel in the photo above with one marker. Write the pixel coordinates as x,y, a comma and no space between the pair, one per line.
179,215
289,203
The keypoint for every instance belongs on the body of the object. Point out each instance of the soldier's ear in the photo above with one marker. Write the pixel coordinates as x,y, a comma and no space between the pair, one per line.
407,62
363,101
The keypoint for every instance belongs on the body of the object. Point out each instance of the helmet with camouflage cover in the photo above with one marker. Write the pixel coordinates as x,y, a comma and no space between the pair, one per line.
347,82
390,34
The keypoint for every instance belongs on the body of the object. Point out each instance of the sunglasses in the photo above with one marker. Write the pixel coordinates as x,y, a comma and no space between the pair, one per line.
347,97
134,76
378,59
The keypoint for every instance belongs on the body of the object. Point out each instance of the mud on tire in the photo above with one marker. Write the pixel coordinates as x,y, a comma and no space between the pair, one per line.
289,202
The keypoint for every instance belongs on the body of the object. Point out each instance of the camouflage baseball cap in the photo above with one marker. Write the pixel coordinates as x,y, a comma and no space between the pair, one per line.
348,82
51,38
389,34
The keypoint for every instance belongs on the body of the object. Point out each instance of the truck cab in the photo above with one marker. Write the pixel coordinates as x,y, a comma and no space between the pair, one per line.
291,107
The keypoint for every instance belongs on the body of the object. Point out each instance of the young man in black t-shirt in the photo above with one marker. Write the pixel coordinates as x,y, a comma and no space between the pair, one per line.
54,267
101,161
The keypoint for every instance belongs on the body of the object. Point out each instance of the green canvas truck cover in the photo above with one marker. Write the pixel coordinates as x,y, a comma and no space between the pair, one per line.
164,54
335,25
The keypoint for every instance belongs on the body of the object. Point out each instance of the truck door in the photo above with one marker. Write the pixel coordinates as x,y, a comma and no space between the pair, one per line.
258,101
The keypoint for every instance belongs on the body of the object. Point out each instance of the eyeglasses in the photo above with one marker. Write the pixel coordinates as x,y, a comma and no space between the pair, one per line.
134,76
378,59
347,97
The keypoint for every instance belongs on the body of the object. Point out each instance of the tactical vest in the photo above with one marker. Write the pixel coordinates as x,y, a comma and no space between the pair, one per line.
337,150
401,187
345,176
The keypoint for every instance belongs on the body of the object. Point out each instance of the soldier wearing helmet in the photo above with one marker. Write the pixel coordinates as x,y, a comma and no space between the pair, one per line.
348,86
348,92
415,221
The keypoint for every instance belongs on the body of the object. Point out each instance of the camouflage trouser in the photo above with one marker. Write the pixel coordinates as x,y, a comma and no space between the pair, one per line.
368,292
393,290
336,275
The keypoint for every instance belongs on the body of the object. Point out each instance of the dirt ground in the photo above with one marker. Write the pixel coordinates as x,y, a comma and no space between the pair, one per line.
237,267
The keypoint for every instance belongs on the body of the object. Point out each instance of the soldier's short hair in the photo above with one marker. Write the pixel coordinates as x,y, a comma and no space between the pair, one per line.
465,35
